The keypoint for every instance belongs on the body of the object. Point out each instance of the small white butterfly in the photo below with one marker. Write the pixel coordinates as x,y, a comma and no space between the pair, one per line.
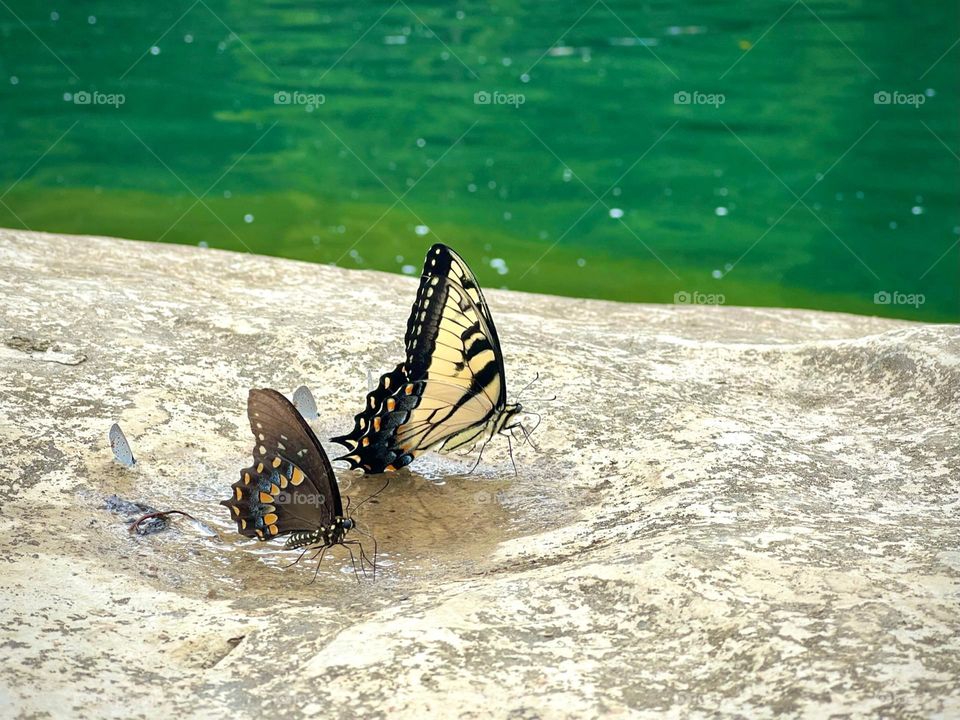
121,448
304,402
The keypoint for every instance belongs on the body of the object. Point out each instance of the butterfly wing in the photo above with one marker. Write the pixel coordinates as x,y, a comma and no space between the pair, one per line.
305,403
290,487
120,446
451,385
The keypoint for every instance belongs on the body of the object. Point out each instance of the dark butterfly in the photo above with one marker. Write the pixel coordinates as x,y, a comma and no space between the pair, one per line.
291,488
450,393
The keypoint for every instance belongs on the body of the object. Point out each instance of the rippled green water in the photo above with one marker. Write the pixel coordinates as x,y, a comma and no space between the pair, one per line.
587,175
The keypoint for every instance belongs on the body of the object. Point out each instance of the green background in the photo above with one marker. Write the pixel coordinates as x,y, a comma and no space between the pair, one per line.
693,198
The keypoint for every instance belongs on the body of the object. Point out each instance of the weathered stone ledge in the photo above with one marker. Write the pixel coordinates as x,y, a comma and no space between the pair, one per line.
738,511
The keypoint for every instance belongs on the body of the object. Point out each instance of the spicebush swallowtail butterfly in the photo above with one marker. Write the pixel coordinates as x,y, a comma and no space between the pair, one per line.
290,489
450,393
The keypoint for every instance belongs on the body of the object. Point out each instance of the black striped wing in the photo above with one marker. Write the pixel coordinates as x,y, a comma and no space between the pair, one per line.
451,384
290,487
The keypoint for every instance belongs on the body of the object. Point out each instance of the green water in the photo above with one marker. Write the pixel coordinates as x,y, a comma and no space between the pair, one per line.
693,198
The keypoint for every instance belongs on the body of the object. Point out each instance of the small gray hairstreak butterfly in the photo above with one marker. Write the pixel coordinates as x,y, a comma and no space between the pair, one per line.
304,402
120,446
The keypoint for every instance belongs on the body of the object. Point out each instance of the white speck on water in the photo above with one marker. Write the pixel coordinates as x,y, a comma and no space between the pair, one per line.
341,229
492,184
917,210
543,235
92,19
488,162
188,38
408,269
67,97
507,62
893,224
717,274
567,174
461,14
399,259
839,196
444,55
817,206
395,40
203,244
859,194
718,172
929,92
14,80
581,262
154,50
721,211
728,267
248,218
507,215
818,177
525,78
316,239
918,199
54,16
355,254
616,213
227,194
723,192
471,188
500,265
617,192
421,142
420,230
487,247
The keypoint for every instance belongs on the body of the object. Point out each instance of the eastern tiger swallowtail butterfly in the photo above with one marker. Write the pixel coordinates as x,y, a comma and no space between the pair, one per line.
120,446
290,489
450,393
304,402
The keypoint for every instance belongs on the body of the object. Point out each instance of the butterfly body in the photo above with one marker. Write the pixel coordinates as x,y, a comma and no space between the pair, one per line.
449,394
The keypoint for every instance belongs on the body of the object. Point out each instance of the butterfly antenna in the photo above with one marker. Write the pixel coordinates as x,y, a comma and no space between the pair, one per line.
374,495
527,386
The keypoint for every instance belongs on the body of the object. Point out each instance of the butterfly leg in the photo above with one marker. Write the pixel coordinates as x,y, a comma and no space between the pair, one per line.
298,559
514,462
479,457
374,563
353,560
317,571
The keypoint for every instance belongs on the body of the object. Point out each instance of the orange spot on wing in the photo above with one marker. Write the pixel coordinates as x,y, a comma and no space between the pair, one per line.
266,497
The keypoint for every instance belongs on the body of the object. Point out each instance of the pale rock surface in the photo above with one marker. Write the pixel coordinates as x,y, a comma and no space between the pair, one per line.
738,511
